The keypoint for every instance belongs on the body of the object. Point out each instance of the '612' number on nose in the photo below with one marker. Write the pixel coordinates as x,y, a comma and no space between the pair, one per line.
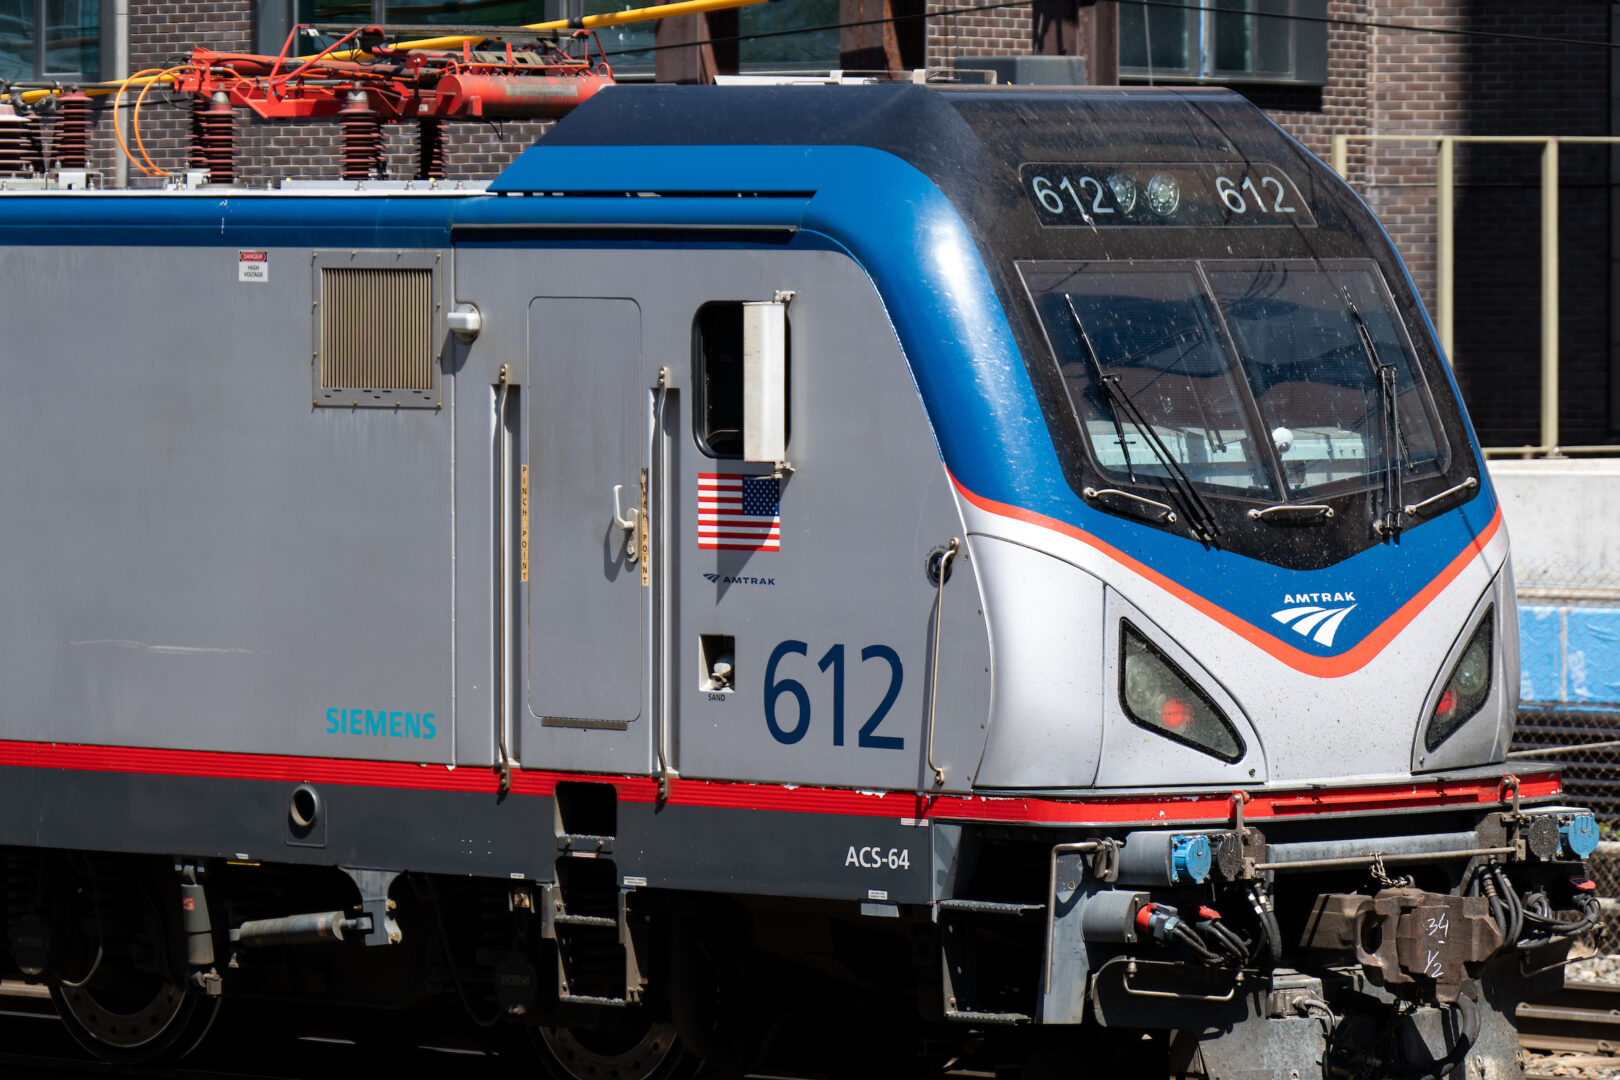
776,689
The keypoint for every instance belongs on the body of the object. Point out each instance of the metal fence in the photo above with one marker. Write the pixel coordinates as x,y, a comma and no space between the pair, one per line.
1586,746
1588,751
1445,259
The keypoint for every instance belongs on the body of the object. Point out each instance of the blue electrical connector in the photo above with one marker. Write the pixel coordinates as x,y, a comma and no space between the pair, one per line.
1579,834
1190,857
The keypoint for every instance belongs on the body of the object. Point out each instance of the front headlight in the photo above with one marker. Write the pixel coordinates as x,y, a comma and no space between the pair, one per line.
1467,689
1157,695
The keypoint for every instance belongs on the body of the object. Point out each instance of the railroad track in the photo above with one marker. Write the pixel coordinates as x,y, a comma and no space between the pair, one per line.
1582,1018
35,1046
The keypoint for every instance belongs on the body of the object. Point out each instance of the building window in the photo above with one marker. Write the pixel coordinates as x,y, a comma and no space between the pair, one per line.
1226,41
803,50
277,17
628,47
798,49
50,39
419,12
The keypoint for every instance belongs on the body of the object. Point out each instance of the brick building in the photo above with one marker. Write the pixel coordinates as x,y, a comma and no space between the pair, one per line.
1320,67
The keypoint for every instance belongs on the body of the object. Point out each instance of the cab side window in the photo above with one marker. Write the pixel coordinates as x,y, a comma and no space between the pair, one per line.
717,362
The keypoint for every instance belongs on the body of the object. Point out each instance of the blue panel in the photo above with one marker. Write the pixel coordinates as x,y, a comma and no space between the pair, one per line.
1569,656
1541,653
1592,654
662,212
171,220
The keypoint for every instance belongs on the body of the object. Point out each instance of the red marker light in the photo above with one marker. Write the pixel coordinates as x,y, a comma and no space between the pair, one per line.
1448,703
1174,713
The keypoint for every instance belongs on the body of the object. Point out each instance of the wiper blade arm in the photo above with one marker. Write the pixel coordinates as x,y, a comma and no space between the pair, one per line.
1391,441
1105,390
1199,516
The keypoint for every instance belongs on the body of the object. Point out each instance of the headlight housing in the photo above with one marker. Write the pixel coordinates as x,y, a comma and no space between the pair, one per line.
1470,684
1158,695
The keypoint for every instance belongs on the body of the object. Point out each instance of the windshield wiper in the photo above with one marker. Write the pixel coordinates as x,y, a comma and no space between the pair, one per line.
1391,442
1104,391
1108,388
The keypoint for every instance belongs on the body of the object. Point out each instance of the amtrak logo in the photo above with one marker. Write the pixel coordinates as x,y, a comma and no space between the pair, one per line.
727,579
1308,612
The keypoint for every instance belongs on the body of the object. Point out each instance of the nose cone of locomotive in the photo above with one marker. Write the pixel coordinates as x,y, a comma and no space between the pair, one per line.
1104,683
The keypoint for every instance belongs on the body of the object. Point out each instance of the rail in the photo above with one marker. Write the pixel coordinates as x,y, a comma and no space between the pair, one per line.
1445,261
1582,1018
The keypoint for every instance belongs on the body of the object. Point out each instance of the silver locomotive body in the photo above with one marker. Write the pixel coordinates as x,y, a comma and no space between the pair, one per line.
751,554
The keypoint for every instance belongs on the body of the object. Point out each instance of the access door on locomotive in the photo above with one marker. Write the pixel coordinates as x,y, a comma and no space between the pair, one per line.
671,607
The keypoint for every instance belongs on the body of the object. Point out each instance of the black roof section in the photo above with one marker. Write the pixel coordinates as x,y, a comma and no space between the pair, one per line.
959,137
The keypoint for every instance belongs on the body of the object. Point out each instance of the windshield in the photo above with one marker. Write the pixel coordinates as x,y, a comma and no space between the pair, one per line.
1254,376
1157,340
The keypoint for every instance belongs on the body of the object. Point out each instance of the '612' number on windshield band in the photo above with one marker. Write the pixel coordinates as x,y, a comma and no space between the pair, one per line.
1071,195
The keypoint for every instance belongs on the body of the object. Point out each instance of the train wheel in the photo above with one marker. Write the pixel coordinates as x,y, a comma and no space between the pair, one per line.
632,1046
133,1018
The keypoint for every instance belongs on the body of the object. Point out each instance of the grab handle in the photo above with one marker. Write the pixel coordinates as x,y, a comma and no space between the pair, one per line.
626,522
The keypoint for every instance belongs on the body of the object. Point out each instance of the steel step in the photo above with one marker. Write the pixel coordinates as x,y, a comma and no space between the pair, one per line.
990,907
999,1019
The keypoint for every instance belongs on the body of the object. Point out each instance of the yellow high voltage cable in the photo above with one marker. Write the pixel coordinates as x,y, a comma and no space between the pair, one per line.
589,22
112,86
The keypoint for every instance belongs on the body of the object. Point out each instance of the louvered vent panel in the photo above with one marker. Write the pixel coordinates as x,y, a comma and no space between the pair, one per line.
376,328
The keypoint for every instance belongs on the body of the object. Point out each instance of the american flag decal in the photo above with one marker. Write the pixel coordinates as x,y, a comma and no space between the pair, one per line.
739,513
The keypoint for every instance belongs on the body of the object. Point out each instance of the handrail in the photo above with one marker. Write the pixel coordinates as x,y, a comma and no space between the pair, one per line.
1445,285
503,762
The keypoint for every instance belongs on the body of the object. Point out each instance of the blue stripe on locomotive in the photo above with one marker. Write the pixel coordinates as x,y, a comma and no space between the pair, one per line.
896,223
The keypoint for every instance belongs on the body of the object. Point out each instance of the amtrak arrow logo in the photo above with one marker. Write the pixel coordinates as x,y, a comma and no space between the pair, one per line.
1308,615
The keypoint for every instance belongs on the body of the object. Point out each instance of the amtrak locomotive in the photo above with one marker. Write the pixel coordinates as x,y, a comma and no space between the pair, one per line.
1007,572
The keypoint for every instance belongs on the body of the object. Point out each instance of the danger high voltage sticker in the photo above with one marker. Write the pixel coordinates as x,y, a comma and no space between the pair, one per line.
253,266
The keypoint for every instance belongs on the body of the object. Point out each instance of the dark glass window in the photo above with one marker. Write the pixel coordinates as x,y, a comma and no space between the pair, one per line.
17,23
42,39
1225,41
1157,40
463,12
629,47
409,13
356,12
1156,341
717,403
803,50
1313,379
1207,354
